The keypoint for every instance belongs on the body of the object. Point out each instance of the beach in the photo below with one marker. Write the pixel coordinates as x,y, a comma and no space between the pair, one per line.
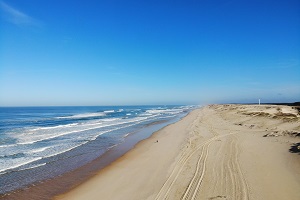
215,152
45,151
149,100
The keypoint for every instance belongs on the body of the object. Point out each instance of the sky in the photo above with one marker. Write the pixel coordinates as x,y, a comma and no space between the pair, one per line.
117,52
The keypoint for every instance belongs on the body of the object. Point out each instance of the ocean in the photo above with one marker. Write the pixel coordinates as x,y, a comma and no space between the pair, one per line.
40,143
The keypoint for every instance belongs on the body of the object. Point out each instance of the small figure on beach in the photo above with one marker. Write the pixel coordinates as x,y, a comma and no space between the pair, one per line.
157,141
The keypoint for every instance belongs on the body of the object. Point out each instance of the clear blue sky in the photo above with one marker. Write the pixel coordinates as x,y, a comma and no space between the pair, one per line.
123,52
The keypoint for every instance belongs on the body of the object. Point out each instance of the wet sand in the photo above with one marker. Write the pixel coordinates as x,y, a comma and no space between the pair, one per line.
216,152
47,189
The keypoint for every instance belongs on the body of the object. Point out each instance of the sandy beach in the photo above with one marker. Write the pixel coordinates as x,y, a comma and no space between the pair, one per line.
215,152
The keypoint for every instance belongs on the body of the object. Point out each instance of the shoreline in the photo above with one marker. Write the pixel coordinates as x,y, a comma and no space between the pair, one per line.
216,152
50,188
146,143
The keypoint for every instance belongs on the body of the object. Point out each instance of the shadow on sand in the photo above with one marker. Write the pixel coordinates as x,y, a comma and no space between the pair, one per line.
295,148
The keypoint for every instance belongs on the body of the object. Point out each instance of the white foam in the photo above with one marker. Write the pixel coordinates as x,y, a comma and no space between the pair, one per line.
109,111
12,165
138,120
35,166
86,115
36,134
112,146
154,111
25,140
65,150
95,137
109,119
38,150
54,127
146,114
8,145
165,111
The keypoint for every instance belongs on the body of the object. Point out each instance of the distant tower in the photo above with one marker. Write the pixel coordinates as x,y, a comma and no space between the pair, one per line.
258,101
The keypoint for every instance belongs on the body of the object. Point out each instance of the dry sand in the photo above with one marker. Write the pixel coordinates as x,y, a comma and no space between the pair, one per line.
216,152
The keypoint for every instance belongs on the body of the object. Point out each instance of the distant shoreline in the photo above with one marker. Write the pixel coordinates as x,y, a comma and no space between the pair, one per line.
244,151
57,185
218,151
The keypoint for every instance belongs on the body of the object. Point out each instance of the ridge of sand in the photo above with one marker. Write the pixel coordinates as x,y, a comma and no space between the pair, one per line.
216,152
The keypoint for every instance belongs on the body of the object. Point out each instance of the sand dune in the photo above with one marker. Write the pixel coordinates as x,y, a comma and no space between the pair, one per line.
216,152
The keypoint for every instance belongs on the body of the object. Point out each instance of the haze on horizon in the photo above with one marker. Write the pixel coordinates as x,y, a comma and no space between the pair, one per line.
115,52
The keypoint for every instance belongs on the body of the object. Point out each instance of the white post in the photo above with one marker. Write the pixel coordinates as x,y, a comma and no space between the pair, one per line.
258,101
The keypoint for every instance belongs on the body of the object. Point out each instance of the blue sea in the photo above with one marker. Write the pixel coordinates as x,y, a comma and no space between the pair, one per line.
39,143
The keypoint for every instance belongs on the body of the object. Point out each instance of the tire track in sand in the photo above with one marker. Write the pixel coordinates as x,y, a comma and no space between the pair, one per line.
194,185
236,187
167,186
236,178
192,190
242,192
198,176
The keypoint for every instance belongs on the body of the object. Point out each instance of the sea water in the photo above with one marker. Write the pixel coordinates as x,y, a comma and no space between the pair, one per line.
38,143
